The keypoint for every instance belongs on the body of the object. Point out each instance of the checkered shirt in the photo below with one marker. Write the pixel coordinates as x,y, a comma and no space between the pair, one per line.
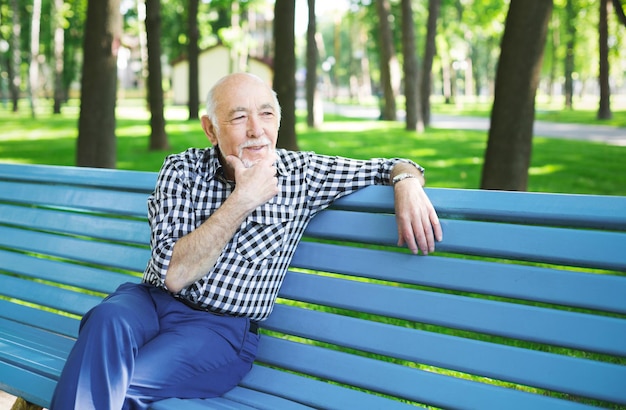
247,276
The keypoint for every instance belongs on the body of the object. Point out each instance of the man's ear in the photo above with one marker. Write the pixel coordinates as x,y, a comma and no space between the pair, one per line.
209,129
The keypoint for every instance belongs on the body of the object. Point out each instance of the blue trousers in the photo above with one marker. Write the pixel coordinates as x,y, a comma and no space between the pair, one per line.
141,345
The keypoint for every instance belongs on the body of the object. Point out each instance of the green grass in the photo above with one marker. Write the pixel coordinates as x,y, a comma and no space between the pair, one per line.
453,158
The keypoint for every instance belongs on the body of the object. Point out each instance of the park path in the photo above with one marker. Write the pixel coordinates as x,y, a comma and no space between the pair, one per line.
599,133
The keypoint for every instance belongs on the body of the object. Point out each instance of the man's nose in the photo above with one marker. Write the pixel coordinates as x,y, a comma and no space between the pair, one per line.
255,129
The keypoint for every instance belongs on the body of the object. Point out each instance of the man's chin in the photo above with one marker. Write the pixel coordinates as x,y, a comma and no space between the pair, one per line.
251,157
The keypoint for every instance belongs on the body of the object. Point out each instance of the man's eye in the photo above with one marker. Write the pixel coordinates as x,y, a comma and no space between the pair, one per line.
238,119
267,114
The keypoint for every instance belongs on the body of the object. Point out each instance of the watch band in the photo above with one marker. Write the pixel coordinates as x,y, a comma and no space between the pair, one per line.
406,175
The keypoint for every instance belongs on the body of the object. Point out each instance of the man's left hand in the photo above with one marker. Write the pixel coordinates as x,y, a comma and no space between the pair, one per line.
418,223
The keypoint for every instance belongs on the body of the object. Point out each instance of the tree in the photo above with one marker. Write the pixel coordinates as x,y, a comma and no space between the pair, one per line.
59,45
509,146
96,146
619,11
388,61
16,59
158,136
429,54
570,32
312,118
193,53
285,71
33,68
604,110
413,118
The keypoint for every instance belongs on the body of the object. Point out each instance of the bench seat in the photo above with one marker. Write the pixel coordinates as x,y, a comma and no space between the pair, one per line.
522,306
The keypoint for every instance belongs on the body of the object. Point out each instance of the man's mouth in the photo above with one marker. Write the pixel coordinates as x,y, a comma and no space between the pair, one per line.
255,147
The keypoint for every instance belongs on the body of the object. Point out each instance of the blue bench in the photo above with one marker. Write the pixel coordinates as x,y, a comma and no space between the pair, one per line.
522,306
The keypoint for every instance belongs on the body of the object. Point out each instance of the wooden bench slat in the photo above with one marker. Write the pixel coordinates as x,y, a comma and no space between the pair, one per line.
41,319
597,211
32,387
561,328
88,199
195,404
218,403
84,277
571,375
77,249
555,286
258,399
44,352
315,393
238,398
527,243
131,231
134,181
393,379
591,249
49,296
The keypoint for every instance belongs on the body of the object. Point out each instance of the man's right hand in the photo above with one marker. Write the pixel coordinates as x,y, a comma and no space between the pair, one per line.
257,184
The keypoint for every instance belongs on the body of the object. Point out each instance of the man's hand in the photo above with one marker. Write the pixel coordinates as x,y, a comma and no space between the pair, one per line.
257,184
418,223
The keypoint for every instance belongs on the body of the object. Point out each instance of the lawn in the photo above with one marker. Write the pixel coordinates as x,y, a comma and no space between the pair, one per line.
453,158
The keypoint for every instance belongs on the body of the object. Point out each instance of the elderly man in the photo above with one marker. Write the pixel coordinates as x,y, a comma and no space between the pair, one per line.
225,222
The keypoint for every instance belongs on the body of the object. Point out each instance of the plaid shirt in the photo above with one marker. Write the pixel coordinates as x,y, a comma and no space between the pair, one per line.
247,276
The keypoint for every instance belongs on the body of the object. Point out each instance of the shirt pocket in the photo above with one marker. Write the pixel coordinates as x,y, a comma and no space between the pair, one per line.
263,234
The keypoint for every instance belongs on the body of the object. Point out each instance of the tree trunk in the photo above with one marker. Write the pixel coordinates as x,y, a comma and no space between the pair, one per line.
429,54
604,111
285,71
570,32
312,117
158,136
509,146
59,45
96,146
619,11
192,55
15,59
413,118
33,68
387,56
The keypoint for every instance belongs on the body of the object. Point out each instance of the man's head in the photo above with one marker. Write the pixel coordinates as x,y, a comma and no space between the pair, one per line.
243,117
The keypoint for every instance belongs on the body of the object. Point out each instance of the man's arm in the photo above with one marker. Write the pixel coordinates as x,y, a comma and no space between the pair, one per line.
196,253
418,223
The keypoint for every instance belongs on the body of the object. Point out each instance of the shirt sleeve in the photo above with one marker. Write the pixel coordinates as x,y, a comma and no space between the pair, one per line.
171,215
330,178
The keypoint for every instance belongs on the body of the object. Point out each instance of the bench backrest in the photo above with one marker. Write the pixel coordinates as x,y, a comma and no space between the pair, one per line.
523,302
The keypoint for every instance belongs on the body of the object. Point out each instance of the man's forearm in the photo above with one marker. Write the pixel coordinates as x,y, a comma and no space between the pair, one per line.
196,253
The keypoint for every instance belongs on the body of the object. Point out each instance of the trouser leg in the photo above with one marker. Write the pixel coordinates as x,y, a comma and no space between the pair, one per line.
141,345
99,368
195,355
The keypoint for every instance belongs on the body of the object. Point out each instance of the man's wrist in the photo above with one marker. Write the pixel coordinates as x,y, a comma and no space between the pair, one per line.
406,171
402,177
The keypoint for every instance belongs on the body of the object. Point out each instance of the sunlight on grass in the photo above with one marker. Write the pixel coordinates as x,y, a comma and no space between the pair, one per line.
453,158
545,170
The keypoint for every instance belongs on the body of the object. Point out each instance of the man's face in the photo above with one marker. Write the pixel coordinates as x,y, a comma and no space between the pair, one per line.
247,121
